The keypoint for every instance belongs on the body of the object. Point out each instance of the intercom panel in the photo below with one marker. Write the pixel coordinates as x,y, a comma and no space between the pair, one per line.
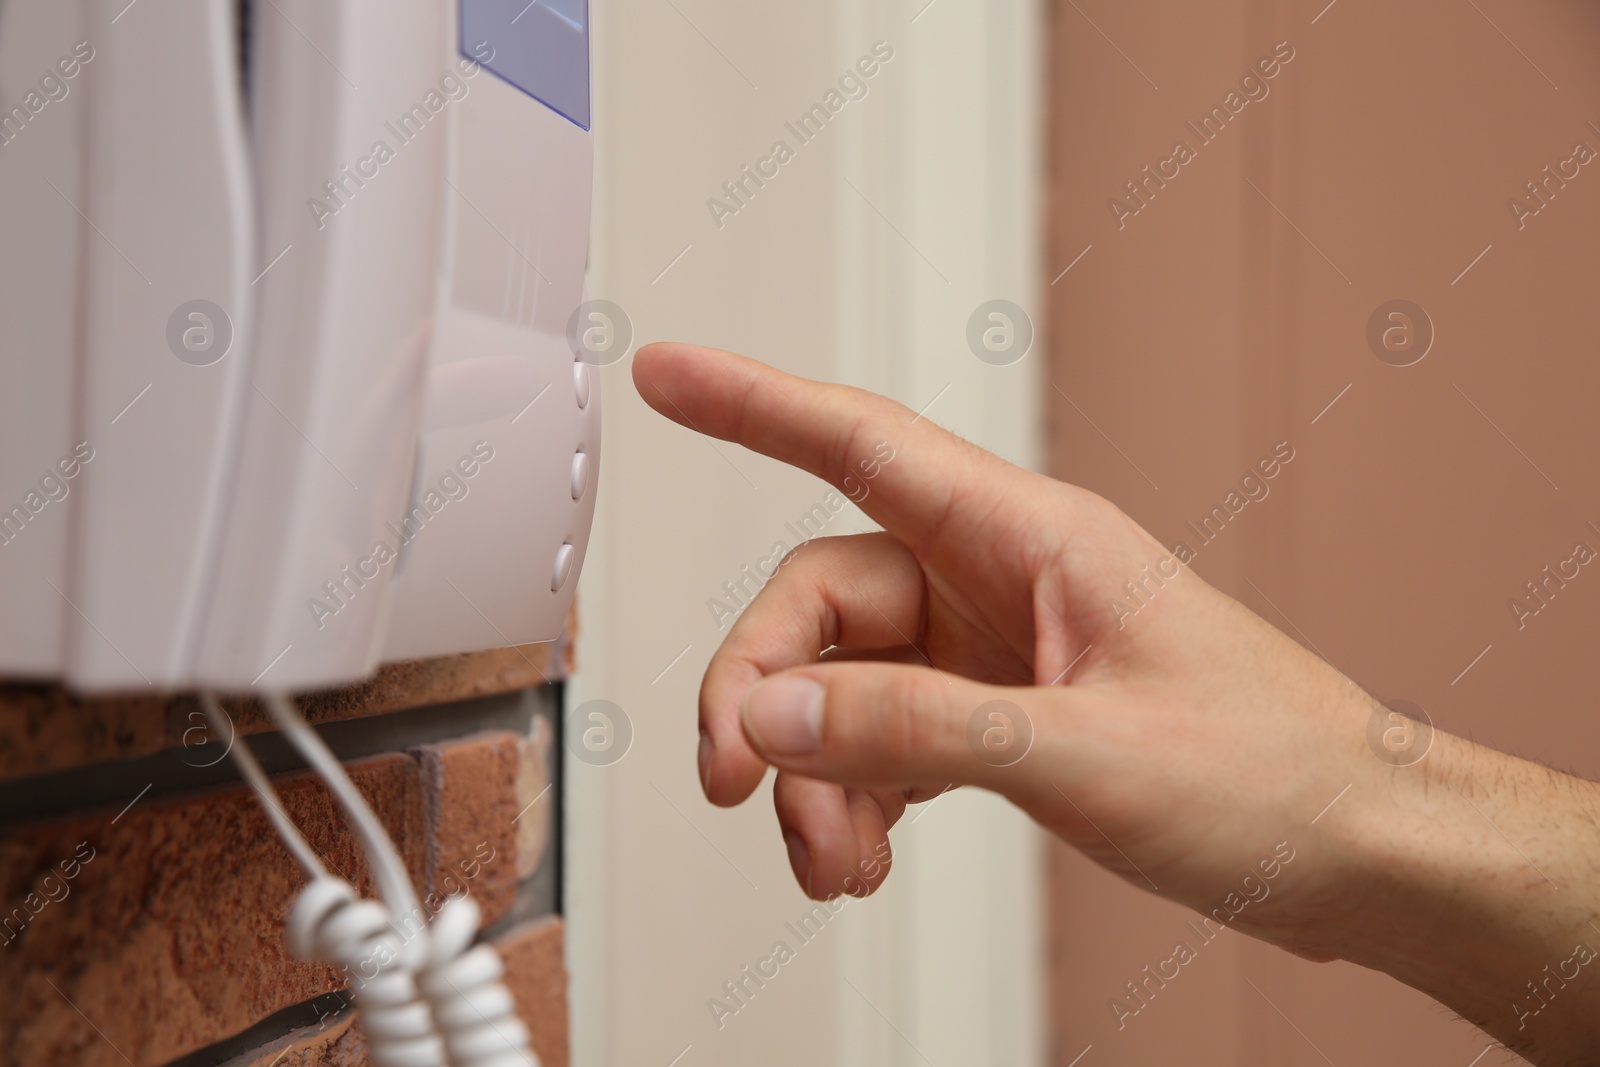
286,388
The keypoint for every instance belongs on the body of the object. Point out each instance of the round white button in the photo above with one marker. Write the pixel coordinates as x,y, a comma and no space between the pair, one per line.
563,568
580,475
580,382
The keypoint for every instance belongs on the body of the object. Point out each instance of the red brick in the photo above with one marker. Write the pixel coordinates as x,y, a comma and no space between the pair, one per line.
536,974
171,937
535,801
44,728
470,786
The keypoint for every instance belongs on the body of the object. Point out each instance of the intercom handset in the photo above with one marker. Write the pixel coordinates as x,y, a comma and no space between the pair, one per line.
311,329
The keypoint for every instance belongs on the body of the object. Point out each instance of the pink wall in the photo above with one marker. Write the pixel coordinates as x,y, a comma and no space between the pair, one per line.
1227,313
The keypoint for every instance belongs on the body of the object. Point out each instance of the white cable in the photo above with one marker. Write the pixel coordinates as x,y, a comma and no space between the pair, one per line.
329,922
472,1006
388,869
252,773
464,1016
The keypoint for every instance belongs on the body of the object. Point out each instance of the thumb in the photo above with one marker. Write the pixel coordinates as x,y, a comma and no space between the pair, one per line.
890,726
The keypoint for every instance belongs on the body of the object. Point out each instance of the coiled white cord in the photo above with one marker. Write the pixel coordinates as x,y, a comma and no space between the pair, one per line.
426,997
472,1006
329,922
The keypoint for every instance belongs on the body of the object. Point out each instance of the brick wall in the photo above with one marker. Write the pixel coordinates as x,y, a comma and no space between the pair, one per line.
143,893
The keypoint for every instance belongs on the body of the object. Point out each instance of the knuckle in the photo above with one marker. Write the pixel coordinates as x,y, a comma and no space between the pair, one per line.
846,444
866,418
904,724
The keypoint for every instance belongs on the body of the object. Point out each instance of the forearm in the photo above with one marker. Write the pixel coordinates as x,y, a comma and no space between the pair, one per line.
1474,876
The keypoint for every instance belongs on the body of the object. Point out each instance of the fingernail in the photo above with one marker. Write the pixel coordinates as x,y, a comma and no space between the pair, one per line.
799,859
784,716
707,750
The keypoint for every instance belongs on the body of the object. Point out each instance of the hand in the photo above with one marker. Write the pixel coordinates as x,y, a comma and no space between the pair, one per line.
1159,738
1177,738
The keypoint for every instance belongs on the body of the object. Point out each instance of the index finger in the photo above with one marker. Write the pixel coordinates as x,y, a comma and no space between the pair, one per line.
899,468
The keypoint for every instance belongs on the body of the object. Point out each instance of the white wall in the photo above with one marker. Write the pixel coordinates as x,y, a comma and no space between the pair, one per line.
668,897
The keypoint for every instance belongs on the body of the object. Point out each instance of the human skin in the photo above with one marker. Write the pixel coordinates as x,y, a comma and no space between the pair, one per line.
1176,747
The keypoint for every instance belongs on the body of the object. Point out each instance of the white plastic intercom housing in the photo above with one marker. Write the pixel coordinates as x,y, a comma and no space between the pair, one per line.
286,389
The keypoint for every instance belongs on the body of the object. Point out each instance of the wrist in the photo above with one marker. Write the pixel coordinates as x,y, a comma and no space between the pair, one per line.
1470,875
